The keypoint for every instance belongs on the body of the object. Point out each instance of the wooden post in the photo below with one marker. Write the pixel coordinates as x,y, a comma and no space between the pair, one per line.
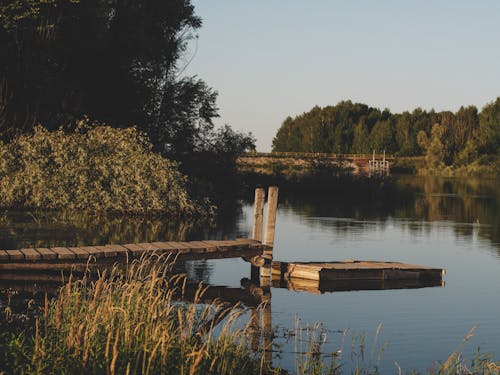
258,214
272,206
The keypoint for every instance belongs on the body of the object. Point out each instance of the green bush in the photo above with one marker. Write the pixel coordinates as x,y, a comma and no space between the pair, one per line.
96,168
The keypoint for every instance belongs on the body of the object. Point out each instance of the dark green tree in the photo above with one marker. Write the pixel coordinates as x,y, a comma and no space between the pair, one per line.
488,134
382,136
362,140
117,62
435,150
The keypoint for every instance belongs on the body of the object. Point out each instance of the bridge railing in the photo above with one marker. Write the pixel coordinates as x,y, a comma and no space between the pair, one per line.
315,155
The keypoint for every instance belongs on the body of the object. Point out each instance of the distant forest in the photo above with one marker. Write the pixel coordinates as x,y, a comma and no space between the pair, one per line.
447,138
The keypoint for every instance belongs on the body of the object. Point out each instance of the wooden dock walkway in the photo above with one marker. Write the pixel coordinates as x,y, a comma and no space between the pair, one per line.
58,258
255,250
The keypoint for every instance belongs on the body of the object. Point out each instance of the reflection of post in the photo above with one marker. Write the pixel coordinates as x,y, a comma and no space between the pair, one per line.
267,334
255,274
254,329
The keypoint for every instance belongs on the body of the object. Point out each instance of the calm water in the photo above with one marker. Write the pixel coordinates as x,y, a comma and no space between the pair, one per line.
451,224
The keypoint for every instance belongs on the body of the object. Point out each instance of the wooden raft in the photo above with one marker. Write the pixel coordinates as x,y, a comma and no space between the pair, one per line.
60,258
354,270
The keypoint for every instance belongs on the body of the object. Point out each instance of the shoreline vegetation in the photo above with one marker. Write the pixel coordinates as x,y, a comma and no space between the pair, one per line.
300,164
461,143
128,321
93,168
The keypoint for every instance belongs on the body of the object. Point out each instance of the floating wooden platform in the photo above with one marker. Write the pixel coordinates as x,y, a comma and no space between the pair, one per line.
354,270
62,258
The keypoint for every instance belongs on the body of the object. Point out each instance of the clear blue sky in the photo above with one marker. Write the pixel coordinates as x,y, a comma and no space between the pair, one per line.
272,58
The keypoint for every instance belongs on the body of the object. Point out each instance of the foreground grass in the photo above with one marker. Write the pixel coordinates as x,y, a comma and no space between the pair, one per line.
130,321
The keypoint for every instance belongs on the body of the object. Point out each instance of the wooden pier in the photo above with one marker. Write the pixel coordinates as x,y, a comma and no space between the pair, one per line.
62,258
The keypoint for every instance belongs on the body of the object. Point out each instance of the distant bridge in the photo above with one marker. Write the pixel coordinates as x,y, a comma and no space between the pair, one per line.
318,155
360,163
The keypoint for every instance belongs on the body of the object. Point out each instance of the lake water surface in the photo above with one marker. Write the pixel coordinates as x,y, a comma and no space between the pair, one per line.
450,224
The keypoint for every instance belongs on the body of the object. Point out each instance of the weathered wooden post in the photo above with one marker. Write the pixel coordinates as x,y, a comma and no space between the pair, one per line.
258,214
272,206
258,219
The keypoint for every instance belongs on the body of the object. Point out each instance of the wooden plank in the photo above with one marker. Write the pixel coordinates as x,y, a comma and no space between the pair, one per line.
15,255
166,246
178,247
4,255
119,249
80,252
136,251
149,247
226,245
96,253
107,252
258,214
209,248
31,254
358,274
70,264
197,246
63,253
46,253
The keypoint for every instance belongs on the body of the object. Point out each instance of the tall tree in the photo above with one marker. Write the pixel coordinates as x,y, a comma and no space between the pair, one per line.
488,134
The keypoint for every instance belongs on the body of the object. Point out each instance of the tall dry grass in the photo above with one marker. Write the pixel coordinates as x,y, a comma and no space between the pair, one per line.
131,322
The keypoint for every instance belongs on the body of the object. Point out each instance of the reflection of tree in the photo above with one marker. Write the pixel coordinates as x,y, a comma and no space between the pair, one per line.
72,228
467,202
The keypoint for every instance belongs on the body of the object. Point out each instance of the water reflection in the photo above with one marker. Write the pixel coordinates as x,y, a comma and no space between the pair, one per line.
19,229
470,206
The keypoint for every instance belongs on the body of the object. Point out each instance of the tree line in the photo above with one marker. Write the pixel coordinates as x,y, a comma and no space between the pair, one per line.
447,138
116,62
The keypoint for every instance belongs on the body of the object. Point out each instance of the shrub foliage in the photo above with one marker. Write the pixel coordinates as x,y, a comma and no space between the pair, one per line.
94,167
